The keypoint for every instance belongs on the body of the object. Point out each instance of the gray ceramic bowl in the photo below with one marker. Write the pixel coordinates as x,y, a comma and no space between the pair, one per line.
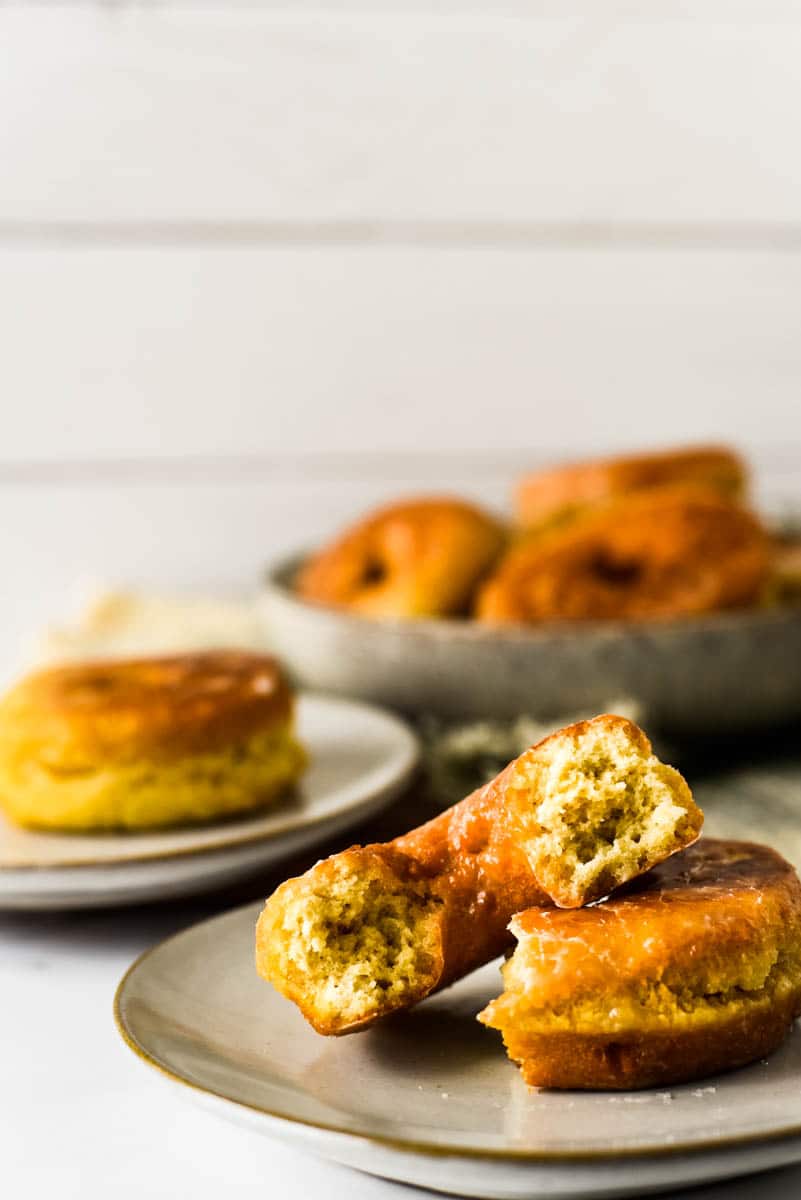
706,674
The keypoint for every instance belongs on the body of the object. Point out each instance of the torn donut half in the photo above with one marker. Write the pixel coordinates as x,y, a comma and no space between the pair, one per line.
693,970
375,929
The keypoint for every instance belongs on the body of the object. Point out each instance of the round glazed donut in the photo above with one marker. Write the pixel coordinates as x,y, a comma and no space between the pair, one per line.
693,970
141,743
662,553
421,558
555,495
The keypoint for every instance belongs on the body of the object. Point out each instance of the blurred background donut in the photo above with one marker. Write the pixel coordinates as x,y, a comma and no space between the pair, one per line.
415,558
661,553
553,495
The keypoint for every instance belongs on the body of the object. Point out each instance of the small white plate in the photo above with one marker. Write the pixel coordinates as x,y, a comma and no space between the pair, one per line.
360,758
429,1097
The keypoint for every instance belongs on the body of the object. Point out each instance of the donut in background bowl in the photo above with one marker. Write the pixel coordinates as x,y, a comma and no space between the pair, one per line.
667,552
417,558
556,495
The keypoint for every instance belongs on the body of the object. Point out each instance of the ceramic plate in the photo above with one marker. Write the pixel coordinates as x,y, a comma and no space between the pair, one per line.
429,1098
685,675
360,757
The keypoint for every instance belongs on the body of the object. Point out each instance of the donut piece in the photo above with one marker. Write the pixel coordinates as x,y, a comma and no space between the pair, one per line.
377,928
143,743
556,495
693,970
664,553
592,807
421,558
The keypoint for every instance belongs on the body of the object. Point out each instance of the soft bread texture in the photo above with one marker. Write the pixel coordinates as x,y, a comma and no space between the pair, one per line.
694,969
144,743
420,558
358,936
559,494
375,929
660,554
605,809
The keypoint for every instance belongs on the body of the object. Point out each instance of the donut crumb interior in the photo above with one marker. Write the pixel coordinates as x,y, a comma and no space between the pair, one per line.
602,809
356,946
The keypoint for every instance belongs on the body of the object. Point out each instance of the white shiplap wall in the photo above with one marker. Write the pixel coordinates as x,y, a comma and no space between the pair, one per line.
591,111
301,255
348,228
145,351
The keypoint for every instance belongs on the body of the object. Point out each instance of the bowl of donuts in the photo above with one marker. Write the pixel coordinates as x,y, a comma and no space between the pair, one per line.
649,576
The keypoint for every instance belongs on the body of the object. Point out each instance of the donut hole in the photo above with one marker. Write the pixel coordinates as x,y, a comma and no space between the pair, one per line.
356,945
616,572
599,809
373,573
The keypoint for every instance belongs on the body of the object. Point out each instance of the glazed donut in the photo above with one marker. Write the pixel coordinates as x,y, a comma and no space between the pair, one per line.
561,493
663,553
142,743
693,970
377,928
421,558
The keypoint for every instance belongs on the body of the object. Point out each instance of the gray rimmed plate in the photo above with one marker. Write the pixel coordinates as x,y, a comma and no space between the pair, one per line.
429,1098
703,674
359,759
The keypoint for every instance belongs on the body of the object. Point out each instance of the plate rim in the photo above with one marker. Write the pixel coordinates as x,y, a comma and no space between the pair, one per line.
275,586
401,1145
406,768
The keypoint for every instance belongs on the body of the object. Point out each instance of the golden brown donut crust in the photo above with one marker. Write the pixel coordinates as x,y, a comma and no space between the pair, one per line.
162,708
664,553
587,1062
693,969
564,491
473,856
419,558
466,872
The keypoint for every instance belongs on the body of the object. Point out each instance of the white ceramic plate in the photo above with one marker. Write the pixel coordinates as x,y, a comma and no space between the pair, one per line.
429,1098
360,757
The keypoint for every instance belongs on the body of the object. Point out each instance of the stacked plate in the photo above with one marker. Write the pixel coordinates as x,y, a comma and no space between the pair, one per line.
360,758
